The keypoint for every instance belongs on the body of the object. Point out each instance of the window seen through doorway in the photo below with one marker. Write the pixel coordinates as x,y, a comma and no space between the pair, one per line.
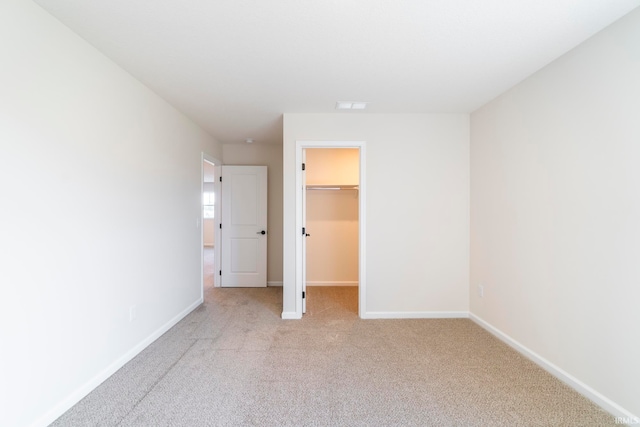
208,203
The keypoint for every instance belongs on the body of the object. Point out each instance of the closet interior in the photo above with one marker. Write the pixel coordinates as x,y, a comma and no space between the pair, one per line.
332,251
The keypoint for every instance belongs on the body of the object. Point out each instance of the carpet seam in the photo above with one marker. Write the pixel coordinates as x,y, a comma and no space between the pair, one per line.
153,386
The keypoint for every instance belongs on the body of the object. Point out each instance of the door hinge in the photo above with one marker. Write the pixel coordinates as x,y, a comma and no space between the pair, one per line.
220,178
220,272
220,226
304,231
304,295
303,166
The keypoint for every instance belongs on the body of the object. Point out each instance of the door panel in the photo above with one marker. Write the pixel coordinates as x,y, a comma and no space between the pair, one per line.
244,258
243,219
306,233
244,198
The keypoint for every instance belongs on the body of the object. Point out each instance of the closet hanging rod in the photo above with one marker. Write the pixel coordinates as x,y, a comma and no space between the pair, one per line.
332,187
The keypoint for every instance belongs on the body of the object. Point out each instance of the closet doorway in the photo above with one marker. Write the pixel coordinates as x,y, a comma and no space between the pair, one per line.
331,242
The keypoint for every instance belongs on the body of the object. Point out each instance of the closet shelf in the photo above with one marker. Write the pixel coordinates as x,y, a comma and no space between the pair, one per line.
332,187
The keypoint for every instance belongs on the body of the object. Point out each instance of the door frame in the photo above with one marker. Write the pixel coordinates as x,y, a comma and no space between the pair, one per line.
362,185
216,224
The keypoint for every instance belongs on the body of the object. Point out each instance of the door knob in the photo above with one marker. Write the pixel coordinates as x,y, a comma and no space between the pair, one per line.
307,235
261,232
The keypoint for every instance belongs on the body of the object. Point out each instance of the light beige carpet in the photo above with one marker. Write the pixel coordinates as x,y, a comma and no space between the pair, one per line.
234,362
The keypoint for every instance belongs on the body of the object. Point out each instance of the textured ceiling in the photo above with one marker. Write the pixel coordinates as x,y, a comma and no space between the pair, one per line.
235,66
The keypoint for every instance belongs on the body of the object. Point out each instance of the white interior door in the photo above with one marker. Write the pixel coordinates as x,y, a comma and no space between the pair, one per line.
305,232
243,230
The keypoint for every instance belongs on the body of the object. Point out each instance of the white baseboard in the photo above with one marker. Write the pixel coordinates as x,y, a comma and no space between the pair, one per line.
415,315
274,283
94,382
337,283
591,394
290,315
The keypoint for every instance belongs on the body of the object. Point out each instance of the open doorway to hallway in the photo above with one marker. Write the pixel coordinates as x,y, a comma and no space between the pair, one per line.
209,218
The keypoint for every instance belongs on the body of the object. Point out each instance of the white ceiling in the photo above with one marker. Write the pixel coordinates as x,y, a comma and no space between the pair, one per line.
235,66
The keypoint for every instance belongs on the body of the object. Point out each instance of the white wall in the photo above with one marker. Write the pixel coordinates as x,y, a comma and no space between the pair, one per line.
555,212
209,231
270,156
332,247
417,170
332,166
92,166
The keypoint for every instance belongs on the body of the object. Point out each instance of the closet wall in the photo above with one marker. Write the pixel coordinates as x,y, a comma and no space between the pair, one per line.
332,217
